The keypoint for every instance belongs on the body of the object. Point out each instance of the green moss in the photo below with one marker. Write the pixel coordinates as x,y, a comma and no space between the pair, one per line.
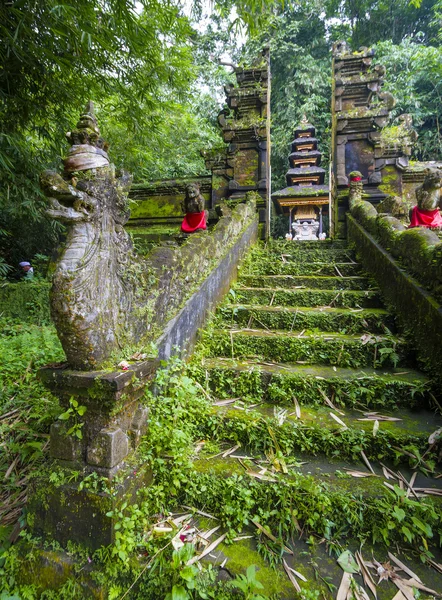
242,554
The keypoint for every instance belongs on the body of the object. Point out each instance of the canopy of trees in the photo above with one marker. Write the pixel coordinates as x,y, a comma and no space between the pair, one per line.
154,73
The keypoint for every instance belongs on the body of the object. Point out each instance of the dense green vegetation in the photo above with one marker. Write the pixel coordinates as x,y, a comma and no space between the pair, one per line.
155,76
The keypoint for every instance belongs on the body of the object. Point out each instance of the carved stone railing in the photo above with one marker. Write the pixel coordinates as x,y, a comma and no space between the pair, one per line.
407,266
187,282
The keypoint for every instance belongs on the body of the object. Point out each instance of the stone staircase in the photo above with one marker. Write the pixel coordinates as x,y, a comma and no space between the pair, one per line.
311,381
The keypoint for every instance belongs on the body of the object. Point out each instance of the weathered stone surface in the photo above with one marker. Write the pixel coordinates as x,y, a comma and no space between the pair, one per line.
109,448
63,446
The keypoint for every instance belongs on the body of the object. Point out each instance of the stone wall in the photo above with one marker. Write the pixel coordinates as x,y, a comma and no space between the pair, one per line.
159,202
418,249
418,311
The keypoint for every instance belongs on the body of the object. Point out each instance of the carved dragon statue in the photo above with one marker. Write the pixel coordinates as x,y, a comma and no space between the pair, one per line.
97,279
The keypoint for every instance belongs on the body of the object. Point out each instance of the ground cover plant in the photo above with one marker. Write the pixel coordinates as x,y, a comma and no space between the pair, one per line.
159,535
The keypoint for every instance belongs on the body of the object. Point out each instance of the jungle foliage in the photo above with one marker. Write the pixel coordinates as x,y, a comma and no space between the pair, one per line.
155,76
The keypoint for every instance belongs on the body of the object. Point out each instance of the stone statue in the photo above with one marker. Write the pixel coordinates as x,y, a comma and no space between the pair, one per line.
427,211
356,188
305,231
195,216
96,276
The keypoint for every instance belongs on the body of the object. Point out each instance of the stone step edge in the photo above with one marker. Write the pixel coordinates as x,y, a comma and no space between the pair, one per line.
304,335
301,370
333,310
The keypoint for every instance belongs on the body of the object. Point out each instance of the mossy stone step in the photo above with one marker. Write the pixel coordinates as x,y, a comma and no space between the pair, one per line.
286,246
312,384
308,297
341,350
315,563
316,432
344,320
325,282
311,254
333,472
274,267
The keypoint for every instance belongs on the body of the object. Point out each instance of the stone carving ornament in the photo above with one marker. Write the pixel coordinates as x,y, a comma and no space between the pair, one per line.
97,280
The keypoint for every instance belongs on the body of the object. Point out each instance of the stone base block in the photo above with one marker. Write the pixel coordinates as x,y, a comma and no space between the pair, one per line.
49,570
68,513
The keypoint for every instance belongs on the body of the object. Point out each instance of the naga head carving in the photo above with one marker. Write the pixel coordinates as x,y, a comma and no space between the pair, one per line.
89,186
92,289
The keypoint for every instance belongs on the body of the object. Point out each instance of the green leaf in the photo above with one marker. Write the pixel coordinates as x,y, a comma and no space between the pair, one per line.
66,415
348,563
423,526
188,573
407,533
399,513
81,410
179,593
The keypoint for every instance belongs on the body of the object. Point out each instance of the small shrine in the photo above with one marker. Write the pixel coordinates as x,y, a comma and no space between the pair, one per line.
306,199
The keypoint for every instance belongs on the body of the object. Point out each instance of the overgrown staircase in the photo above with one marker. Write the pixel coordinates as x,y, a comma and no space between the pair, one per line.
314,389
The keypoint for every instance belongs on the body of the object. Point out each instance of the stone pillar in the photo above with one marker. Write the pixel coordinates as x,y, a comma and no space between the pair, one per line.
112,422
361,140
243,165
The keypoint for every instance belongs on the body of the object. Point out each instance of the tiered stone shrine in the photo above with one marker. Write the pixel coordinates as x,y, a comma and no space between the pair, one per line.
306,194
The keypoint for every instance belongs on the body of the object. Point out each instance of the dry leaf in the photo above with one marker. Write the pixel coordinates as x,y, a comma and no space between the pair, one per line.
404,567
208,550
338,420
291,576
344,588
367,462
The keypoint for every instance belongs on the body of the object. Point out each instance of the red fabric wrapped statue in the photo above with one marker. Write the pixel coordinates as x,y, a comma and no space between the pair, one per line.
195,218
426,213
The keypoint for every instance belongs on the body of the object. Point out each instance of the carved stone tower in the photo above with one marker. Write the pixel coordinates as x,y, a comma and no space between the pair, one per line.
243,165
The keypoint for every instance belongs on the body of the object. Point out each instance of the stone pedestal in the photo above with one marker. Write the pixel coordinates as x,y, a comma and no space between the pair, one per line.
111,428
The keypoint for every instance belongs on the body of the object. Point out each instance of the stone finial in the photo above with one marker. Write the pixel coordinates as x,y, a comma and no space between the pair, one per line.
304,121
88,148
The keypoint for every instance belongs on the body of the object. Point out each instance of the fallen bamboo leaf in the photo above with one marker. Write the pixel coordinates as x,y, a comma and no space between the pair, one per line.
367,462
338,420
328,401
225,402
231,450
420,586
404,588
344,588
200,512
261,477
207,536
297,574
291,576
270,535
243,537
207,550
297,408
404,567
435,565
399,596
358,473
10,468
180,519
366,575
375,428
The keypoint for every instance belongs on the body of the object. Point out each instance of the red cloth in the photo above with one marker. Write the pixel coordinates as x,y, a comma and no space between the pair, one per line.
194,221
425,218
